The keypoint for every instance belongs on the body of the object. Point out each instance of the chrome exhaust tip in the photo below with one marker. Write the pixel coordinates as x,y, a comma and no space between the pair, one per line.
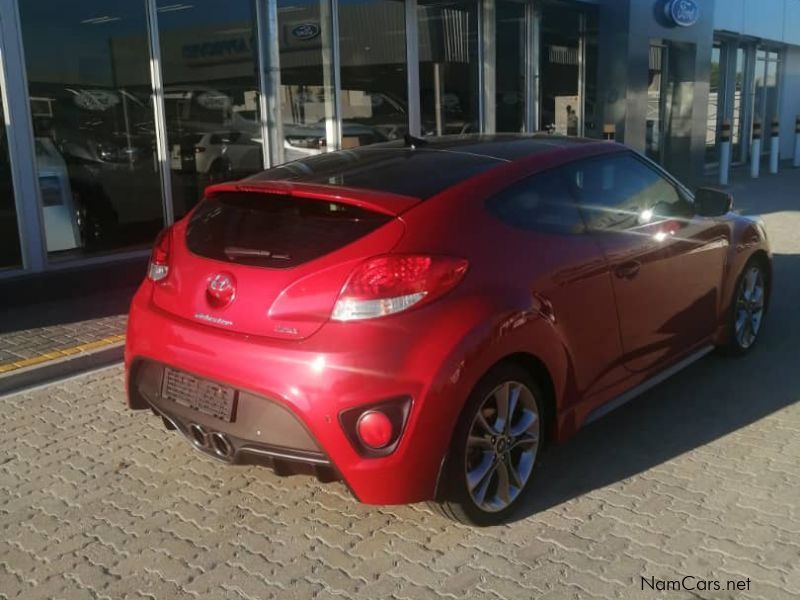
198,435
221,446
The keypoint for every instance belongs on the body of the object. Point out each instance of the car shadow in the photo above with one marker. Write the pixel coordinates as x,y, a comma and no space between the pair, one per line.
710,399
65,311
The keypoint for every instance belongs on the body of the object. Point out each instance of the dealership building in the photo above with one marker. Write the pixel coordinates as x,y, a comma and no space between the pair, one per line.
118,113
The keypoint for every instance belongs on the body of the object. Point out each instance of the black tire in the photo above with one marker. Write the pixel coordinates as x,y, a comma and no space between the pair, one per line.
735,344
456,501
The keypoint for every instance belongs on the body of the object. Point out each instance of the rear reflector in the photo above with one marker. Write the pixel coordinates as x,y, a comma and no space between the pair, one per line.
158,269
374,429
389,284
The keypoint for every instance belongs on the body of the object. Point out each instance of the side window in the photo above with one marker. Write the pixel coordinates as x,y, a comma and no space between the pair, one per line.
540,203
622,192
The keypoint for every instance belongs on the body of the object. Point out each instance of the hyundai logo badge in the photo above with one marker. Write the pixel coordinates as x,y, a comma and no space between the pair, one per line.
221,290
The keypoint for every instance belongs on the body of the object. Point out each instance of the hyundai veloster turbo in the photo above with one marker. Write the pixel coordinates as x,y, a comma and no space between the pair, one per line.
417,318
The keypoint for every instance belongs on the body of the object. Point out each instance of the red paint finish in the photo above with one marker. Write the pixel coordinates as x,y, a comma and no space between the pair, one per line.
599,312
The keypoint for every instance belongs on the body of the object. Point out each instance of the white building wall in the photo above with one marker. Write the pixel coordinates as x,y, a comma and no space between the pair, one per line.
775,20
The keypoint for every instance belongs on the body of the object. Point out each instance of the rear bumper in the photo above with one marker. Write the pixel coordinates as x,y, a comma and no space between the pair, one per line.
312,381
263,432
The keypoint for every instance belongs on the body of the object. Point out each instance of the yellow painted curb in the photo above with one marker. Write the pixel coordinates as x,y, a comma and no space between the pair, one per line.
56,354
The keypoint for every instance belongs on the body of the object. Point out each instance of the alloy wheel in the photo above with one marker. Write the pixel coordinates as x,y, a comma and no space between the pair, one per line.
502,445
750,307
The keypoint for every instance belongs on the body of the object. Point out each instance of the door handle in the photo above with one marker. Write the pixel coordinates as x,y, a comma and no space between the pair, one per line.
628,270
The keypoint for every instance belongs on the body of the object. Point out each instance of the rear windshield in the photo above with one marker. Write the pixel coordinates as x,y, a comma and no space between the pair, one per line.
276,231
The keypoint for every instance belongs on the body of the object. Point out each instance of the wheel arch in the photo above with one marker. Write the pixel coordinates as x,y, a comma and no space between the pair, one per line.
538,369
762,257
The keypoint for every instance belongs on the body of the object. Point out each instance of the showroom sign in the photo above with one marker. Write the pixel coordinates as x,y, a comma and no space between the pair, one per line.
219,51
683,13
306,31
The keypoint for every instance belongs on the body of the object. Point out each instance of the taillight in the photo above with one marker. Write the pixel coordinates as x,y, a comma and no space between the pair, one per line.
389,284
158,269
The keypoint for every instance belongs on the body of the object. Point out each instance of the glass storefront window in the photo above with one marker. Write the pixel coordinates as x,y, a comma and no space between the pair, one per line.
560,72
592,127
90,94
306,92
510,32
9,231
766,92
737,127
714,105
372,48
655,88
211,94
448,66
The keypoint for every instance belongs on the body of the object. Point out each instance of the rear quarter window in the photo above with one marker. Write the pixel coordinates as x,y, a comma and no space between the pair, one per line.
543,202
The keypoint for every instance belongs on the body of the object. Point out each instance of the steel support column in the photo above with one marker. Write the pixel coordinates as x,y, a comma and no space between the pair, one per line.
19,130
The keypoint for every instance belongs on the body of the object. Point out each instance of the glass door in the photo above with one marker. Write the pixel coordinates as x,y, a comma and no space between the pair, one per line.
561,56
738,121
448,66
211,94
656,107
510,32
765,100
88,71
716,104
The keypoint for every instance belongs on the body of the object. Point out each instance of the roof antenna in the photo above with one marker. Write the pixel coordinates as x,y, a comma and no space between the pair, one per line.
412,142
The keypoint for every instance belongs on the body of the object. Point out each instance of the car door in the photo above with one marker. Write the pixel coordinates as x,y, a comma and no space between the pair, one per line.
666,262
565,268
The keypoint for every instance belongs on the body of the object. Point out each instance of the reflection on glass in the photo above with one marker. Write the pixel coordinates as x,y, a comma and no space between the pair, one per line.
592,127
713,118
560,51
758,90
9,232
304,29
374,77
655,85
448,66
92,114
766,92
738,105
510,70
209,68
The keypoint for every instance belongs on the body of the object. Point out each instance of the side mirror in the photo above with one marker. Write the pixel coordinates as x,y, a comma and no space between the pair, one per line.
710,202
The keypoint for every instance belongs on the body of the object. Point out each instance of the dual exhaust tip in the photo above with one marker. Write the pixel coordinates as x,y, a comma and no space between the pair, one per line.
214,441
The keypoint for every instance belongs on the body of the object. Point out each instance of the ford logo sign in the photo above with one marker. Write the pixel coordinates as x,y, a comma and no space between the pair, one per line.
306,31
683,13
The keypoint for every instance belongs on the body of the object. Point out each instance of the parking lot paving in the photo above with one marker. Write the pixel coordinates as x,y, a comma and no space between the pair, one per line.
700,477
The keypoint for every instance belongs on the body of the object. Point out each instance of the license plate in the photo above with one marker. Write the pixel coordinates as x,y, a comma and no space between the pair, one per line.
207,397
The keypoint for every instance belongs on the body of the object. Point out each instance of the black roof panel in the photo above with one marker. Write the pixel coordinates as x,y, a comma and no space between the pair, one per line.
421,172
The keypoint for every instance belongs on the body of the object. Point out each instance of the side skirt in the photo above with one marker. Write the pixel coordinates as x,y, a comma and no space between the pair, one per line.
602,411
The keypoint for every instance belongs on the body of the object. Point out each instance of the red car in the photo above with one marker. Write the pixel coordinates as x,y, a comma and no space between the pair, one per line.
418,318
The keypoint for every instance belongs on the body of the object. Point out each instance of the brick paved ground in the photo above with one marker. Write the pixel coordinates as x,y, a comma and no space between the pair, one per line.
700,476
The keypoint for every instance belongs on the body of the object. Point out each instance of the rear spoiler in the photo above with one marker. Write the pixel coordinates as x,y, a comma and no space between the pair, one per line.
381,202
